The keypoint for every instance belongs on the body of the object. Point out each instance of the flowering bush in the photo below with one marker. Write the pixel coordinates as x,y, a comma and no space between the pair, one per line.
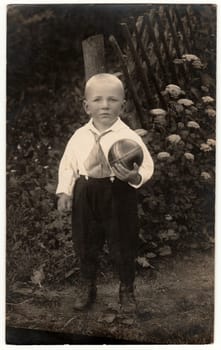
180,196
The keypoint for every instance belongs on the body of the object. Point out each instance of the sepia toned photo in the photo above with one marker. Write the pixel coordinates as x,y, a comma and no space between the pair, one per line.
111,169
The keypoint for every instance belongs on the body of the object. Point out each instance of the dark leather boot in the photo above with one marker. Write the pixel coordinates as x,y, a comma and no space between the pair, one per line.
86,295
127,299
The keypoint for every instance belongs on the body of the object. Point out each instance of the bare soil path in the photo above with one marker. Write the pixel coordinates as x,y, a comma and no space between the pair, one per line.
175,305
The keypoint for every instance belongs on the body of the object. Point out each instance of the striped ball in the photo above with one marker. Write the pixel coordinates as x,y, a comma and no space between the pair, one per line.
126,152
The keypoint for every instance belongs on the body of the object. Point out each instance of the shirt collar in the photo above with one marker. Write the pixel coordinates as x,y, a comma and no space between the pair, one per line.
114,127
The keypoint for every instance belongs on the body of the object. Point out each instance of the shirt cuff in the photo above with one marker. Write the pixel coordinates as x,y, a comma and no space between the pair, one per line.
62,188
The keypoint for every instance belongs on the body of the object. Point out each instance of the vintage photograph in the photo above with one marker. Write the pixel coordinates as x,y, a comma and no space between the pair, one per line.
111,168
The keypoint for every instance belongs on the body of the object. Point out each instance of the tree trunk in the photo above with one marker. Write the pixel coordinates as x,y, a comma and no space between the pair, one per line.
93,53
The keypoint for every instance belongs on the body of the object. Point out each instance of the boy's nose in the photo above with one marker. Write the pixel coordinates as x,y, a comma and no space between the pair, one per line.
105,104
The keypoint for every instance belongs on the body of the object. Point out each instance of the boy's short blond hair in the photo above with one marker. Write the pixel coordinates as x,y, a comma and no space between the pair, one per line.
105,77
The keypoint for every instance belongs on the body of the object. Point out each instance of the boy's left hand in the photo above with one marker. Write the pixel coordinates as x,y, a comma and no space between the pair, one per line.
127,175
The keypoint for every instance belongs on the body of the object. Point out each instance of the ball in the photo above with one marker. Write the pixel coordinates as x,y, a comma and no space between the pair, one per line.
126,152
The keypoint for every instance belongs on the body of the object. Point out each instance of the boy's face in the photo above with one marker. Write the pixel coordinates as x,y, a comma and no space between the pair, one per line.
104,102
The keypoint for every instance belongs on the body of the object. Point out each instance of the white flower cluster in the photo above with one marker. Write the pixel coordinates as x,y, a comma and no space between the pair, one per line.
205,175
189,156
211,142
195,61
210,112
207,99
159,115
168,217
193,124
174,90
174,138
208,146
185,102
190,57
205,147
158,111
163,155
197,64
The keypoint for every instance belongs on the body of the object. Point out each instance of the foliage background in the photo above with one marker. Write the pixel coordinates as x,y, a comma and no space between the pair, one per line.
45,80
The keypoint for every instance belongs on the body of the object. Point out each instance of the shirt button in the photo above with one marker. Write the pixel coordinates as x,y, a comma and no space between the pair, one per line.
112,178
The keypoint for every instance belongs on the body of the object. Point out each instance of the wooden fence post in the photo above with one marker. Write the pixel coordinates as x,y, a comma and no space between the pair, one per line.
93,53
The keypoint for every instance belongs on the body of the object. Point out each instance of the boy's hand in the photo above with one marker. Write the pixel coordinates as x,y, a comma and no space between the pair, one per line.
126,175
64,202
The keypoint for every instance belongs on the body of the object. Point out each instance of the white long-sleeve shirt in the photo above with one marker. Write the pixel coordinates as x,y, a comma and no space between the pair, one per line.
80,145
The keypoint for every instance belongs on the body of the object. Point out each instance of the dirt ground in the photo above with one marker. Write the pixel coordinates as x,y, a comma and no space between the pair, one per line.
175,305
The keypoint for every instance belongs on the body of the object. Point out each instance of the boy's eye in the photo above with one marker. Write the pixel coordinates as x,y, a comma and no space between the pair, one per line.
111,99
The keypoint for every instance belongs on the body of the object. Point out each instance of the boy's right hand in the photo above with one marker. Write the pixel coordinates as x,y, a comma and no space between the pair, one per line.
64,202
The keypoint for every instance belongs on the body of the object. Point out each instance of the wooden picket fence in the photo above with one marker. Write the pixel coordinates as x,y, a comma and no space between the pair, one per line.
155,43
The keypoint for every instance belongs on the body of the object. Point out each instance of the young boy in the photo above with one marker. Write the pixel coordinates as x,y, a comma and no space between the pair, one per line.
103,199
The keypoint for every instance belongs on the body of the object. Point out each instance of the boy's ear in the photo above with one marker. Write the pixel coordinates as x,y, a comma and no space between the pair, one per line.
85,106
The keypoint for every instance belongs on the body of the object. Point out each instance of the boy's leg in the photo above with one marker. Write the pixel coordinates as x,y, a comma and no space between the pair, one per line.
123,236
88,238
